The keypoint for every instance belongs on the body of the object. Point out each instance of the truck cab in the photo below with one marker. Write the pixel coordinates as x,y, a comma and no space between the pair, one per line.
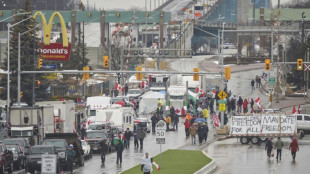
303,123
28,132
177,96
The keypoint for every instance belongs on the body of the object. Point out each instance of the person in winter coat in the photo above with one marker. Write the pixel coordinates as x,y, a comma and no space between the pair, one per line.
126,89
252,84
168,121
70,157
269,147
200,134
172,112
159,110
128,134
252,105
119,152
205,132
193,132
154,120
233,105
245,106
211,105
205,113
176,122
294,148
104,150
141,136
136,142
187,126
240,102
279,145
146,164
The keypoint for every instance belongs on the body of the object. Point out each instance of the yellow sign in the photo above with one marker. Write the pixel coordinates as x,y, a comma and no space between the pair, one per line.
222,106
222,95
227,73
206,5
196,76
51,76
139,76
47,28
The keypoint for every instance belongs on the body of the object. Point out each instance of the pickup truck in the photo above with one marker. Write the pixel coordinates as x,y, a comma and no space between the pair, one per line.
94,137
61,146
34,157
71,138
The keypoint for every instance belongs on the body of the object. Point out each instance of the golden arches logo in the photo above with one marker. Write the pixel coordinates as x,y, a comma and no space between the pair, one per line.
47,28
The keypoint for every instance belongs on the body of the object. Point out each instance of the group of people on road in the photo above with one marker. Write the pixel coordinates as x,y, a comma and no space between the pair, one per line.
257,81
279,146
201,129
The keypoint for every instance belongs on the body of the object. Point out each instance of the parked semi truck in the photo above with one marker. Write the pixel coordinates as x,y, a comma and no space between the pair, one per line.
32,122
257,127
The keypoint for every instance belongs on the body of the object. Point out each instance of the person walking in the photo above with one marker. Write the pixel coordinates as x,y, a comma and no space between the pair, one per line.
154,120
70,157
252,84
141,136
245,106
205,131
136,142
259,81
240,102
205,113
172,112
104,150
233,106
268,147
128,134
126,89
159,110
146,164
193,132
294,147
200,134
256,81
187,126
279,145
176,122
168,121
252,105
119,152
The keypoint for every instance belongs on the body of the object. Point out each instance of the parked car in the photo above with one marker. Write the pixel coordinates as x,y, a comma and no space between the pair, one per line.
61,146
6,160
86,149
303,124
19,157
94,137
34,157
143,123
22,142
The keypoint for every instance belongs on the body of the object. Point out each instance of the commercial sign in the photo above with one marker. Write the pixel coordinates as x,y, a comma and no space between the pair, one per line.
54,51
263,124
49,66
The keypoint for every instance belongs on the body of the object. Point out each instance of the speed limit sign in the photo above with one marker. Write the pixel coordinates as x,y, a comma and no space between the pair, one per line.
160,132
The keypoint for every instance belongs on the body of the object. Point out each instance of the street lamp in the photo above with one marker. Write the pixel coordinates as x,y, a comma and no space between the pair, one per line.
222,48
18,71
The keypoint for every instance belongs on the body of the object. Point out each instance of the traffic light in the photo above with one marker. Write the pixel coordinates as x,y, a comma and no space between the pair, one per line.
21,94
105,61
85,75
139,75
196,76
40,63
147,14
38,82
227,73
267,64
270,97
118,14
299,64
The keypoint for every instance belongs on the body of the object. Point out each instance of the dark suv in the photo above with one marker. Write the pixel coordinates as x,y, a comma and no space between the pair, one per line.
34,158
61,146
94,137
22,142
6,159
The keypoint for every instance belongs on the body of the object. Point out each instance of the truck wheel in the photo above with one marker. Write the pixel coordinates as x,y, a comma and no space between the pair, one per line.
255,140
263,139
244,140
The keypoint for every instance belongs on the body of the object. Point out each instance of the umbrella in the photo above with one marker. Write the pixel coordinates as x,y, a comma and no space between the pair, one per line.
121,103
163,92
201,120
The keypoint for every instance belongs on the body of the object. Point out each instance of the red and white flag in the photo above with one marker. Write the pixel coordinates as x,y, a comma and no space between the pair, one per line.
213,93
299,112
257,101
156,165
294,110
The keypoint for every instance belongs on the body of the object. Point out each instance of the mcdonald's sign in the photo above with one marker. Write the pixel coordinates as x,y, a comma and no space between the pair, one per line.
54,51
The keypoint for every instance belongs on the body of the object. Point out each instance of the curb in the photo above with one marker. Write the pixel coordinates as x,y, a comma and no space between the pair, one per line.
209,168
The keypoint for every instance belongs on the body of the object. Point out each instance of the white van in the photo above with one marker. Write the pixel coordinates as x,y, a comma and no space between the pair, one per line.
303,123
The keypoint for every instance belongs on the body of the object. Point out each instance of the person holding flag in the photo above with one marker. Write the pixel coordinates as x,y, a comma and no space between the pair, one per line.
146,164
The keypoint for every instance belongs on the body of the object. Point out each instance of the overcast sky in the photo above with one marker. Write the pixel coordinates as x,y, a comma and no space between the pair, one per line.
127,4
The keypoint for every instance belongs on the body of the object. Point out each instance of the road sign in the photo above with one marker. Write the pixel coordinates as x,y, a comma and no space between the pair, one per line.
222,101
307,67
222,107
161,132
48,164
222,95
271,90
272,80
49,66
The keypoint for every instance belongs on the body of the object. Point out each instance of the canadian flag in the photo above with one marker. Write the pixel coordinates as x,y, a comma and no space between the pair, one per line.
213,93
257,101
200,91
118,87
294,110
178,111
156,165
299,112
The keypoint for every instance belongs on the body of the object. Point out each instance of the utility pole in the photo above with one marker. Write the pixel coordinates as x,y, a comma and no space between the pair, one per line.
307,75
278,4
303,27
